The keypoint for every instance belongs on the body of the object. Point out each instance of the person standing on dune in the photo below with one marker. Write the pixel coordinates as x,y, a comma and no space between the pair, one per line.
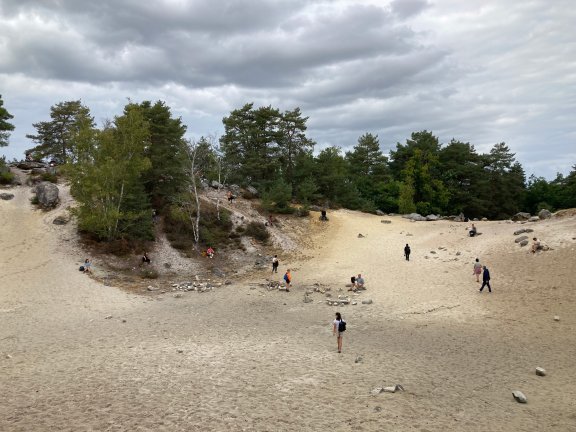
407,252
486,280
288,280
477,270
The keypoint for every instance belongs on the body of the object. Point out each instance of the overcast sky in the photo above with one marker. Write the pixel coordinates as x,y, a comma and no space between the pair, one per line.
481,71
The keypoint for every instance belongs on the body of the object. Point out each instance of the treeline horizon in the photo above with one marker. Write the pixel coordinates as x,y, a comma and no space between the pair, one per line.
140,160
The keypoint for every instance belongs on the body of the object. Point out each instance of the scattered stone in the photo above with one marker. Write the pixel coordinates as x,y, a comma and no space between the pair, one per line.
60,220
544,214
358,359
215,185
432,217
307,299
124,321
534,219
151,288
167,265
367,301
380,213
108,317
6,196
519,239
354,303
458,253
377,409
519,396
386,221
179,295
556,318
228,282
484,219
540,371
180,351
521,216
393,389
361,236
433,252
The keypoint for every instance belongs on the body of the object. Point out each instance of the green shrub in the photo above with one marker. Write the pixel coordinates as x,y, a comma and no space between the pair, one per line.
49,177
148,273
6,177
303,211
258,231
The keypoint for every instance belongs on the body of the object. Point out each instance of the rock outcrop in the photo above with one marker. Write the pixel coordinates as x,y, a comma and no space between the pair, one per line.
47,195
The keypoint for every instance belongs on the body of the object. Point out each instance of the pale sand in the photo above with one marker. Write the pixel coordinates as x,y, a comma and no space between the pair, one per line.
253,360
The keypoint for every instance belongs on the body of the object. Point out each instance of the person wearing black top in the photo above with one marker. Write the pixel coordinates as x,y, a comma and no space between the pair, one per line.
407,252
486,280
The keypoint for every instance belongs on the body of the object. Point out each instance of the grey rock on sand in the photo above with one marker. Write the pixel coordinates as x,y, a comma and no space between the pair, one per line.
519,396
6,196
519,239
540,371
544,214
47,194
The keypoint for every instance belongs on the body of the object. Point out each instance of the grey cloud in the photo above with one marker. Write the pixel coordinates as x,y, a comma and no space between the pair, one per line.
407,8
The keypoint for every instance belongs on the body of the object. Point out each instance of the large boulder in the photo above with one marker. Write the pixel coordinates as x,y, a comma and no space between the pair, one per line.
6,196
521,239
250,192
544,214
521,216
47,194
215,185
235,189
380,213
533,219
28,165
415,217
432,217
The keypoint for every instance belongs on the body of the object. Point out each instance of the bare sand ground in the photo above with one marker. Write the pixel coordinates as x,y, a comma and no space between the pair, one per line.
76,355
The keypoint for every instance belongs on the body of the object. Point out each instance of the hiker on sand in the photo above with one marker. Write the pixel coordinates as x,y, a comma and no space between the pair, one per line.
145,258
407,252
477,270
536,245
230,197
359,281
275,263
210,252
486,280
87,266
472,231
337,330
288,280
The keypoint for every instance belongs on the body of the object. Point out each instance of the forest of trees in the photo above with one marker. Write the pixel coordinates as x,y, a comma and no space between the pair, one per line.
140,160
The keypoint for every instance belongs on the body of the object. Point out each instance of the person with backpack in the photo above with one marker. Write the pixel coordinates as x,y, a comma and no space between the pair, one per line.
288,280
339,325
275,264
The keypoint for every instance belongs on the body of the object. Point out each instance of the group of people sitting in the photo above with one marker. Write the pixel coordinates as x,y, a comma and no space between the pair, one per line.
357,283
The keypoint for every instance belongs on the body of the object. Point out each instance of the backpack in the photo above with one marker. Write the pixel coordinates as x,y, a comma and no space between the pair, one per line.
341,326
287,278
81,268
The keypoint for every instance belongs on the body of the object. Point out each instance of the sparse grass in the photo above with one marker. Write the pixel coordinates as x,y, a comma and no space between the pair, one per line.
258,231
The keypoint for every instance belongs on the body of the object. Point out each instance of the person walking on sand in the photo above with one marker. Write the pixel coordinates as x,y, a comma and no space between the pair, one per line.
275,264
338,328
407,252
288,280
486,280
477,270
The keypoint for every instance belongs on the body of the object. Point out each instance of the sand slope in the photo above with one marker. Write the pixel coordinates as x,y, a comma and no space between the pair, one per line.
252,360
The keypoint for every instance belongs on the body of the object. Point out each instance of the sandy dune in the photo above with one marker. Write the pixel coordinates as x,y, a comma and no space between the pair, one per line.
76,355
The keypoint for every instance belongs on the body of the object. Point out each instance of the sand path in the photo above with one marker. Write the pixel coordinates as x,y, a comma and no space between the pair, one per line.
247,359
